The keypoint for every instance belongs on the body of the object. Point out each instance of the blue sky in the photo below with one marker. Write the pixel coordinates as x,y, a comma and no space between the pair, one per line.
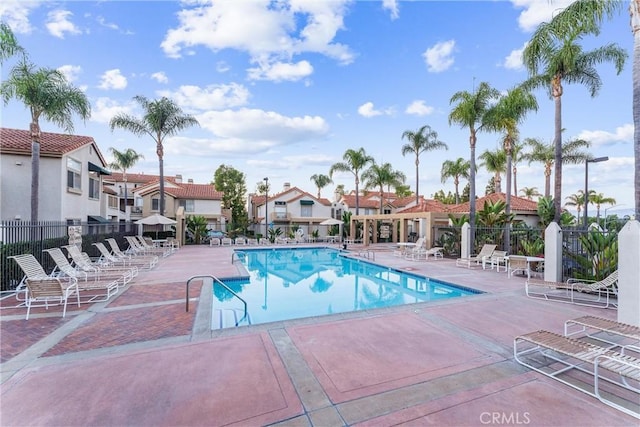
282,88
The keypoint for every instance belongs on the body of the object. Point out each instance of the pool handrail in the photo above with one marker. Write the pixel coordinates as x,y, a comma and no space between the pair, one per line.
218,281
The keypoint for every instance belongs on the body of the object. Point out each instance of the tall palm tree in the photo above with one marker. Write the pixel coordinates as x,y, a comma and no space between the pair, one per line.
424,139
470,111
553,57
496,163
577,200
162,118
516,156
455,169
530,192
123,161
545,154
381,175
600,199
354,162
320,181
48,94
8,43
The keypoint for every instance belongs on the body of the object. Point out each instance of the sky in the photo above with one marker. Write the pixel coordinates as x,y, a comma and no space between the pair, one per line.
282,89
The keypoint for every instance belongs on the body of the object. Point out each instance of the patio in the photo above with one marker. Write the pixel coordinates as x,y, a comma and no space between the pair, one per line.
141,359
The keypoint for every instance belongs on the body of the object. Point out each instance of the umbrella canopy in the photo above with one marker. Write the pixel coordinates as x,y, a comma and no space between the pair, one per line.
156,219
331,221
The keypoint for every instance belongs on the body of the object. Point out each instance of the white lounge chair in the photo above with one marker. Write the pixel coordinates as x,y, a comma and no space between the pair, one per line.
47,290
486,251
602,293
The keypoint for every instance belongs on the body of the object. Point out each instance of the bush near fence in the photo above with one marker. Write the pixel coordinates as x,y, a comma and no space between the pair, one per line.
22,237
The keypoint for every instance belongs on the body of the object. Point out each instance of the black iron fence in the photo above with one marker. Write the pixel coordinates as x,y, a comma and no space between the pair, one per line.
523,240
22,237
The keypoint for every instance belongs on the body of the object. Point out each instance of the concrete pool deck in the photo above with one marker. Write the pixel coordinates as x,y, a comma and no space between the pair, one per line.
141,359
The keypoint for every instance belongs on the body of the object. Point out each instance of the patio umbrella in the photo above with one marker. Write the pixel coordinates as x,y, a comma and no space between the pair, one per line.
333,221
156,219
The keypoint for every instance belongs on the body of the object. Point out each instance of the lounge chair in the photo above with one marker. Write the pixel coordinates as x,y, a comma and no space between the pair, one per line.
107,256
252,241
46,290
31,269
240,241
226,241
517,263
150,260
214,241
82,261
152,248
136,247
612,333
555,355
581,292
486,251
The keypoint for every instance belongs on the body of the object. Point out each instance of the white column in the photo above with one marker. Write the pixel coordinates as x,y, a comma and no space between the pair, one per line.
553,253
465,248
628,278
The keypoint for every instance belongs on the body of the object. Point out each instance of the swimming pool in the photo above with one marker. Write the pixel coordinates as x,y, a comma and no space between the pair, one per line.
286,284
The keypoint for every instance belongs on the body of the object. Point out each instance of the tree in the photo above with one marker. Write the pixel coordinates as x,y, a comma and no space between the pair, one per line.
354,162
8,43
320,181
231,182
161,118
530,192
545,154
516,156
48,94
403,190
381,175
123,161
577,200
424,139
600,199
496,163
456,169
471,110
553,57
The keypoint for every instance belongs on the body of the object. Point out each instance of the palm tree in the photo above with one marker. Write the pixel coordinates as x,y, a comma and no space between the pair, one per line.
320,181
455,169
123,161
545,154
600,199
471,110
381,175
424,139
8,43
553,56
48,94
354,162
496,163
530,192
577,200
162,118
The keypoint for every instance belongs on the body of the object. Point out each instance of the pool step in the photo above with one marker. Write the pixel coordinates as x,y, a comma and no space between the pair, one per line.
228,318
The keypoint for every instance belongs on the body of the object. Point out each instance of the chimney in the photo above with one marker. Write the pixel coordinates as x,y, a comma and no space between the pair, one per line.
287,186
178,179
190,181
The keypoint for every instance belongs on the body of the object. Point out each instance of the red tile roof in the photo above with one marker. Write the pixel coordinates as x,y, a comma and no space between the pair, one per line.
427,205
183,191
137,178
518,204
18,141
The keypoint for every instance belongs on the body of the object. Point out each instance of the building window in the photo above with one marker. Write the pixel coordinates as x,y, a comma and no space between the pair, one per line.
188,205
74,175
280,210
113,202
387,211
306,211
155,204
94,185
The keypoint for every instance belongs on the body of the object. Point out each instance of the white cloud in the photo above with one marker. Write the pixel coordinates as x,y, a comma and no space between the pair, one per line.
367,110
160,77
213,97
71,72
419,108
598,138
514,60
104,23
392,5
113,79
270,32
103,109
537,11
58,23
280,71
15,13
439,57
222,67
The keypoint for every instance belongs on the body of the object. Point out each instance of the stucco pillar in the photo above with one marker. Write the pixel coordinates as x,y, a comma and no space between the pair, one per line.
628,278
394,231
553,253
465,241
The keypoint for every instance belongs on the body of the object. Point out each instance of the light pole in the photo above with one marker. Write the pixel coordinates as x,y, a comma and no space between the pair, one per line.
586,184
266,207
606,228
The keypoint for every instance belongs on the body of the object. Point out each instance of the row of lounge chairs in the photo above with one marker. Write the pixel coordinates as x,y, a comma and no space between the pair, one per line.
490,257
85,279
242,241
598,356
418,251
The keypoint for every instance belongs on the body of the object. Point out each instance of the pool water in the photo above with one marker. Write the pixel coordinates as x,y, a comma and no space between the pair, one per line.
289,284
